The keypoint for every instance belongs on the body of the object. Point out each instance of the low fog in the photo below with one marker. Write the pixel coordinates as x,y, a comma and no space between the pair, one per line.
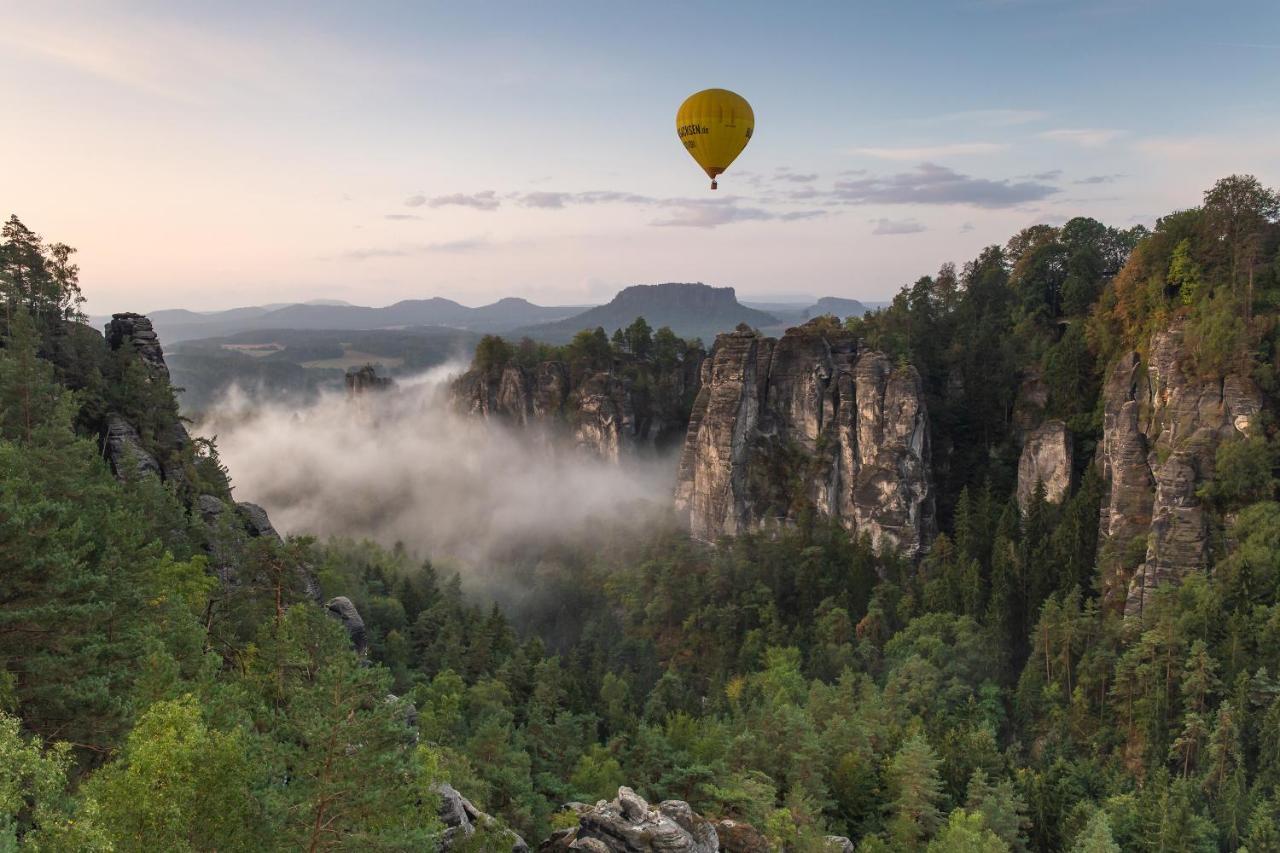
403,466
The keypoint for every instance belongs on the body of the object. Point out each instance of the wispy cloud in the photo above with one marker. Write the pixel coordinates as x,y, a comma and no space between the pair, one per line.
411,249
931,152
486,200
674,212
885,227
558,200
784,174
1085,137
1099,179
929,183
698,213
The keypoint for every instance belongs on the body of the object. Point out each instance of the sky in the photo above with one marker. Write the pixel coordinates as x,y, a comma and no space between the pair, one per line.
213,155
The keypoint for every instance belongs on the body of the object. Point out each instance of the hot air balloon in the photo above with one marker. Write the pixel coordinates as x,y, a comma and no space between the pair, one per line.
715,125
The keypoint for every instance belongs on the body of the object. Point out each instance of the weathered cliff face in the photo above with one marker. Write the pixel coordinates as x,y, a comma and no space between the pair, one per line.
1046,458
598,410
809,421
1161,430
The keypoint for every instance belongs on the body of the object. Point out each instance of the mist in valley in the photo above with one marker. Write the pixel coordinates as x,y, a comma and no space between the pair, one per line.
403,466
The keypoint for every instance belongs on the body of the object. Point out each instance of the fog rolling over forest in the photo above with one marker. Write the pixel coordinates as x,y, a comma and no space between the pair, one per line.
403,466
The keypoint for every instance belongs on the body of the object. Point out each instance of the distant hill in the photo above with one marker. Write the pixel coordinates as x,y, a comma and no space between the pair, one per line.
841,308
501,316
691,310
795,313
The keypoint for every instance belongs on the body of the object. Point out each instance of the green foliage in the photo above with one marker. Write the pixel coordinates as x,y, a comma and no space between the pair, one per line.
966,833
492,354
1243,473
178,785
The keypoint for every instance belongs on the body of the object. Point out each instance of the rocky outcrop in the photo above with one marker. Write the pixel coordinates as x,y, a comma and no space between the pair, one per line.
255,520
345,612
1046,458
628,824
1030,403
124,450
366,379
1162,425
136,329
462,820
130,458
602,411
811,421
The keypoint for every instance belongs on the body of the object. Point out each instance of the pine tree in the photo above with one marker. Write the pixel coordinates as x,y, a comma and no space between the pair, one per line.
1096,836
1001,807
915,793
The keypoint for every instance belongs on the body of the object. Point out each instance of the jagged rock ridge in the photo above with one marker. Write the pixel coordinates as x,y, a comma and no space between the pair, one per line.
599,410
1161,430
808,421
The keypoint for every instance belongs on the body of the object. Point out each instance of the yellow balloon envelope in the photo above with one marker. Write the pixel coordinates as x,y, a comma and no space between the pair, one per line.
715,125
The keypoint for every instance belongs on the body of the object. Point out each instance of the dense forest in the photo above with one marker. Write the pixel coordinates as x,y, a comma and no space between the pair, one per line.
169,685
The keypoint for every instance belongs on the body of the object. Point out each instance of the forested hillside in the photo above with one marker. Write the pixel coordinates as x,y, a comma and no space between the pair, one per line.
167,681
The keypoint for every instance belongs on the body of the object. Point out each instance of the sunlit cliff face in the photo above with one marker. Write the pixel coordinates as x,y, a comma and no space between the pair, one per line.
403,466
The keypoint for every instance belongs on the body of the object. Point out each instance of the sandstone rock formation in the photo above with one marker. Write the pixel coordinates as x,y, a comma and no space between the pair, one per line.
255,520
366,379
462,820
598,410
1161,430
229,524
1046,458
628,824
137,329
345,612
134,330
808,421
123,448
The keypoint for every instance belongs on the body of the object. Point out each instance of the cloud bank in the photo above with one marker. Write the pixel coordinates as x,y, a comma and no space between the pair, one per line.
929,183
404,467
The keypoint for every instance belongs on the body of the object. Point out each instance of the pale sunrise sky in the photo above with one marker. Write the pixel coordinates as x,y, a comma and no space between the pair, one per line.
213,155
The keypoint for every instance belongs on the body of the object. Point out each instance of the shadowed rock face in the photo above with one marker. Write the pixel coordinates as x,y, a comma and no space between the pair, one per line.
137,328
345,612
599,411
1161,430
816,410
123,449
1046,458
